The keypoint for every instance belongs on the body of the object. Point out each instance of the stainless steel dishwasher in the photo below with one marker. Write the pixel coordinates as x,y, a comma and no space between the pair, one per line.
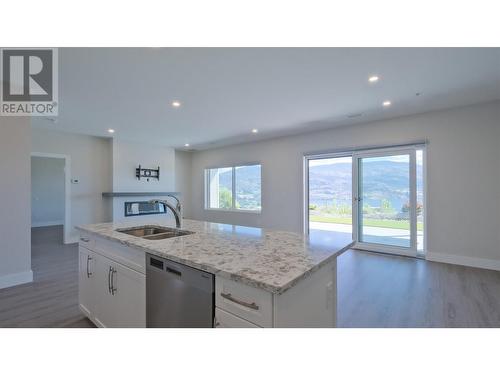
178,296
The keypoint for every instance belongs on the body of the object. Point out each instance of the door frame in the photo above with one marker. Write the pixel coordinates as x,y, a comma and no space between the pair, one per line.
67,191
379,151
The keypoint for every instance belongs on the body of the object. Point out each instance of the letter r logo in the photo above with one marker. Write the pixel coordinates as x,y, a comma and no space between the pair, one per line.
27,75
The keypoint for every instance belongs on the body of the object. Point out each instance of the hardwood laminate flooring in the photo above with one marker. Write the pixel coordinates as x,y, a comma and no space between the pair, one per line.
51,300
392,291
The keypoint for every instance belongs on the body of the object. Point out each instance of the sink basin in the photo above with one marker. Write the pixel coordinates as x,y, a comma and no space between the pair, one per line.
152,232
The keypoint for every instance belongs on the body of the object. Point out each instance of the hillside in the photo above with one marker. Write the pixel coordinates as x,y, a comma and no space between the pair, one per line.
383,180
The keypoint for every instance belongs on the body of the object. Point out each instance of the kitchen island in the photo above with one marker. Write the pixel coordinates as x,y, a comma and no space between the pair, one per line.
273,278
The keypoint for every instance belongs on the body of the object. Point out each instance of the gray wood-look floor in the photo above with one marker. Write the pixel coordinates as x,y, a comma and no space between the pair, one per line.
389,291
51,300
374,291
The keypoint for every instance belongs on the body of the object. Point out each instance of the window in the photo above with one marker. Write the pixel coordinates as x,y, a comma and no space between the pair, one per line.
234,188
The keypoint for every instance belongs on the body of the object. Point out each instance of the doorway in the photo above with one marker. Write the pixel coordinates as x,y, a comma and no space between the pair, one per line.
377,195
50,192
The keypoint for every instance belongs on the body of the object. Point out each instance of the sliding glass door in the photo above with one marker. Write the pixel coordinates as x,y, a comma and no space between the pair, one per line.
384,201
378,195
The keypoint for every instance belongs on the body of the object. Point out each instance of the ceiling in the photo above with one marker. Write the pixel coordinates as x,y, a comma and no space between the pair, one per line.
227,92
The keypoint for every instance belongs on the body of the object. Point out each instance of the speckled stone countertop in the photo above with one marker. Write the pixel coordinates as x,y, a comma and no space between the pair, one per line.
267,259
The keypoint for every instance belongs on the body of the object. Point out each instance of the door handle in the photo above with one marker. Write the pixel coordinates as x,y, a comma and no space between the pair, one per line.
84,239
89,258
113,288
109,279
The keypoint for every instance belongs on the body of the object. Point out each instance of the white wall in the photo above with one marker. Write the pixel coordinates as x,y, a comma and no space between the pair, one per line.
90,164
183,180
47,191
15,207
463,158
127,156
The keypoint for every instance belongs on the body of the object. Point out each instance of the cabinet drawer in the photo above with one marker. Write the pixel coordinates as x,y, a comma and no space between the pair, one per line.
132,258
244,301
87,241
227,320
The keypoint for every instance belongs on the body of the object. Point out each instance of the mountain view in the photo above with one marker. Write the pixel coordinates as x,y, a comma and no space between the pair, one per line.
385,197
248,187
384,180
385,188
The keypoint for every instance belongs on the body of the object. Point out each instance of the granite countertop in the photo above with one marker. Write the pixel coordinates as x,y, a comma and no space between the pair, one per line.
267,259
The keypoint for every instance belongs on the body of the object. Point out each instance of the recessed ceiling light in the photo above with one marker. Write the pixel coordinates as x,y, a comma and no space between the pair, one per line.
111,131
387,103
176,103
186,145
255,131
373,79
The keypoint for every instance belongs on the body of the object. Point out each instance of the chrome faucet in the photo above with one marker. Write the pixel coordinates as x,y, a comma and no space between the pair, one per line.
175,210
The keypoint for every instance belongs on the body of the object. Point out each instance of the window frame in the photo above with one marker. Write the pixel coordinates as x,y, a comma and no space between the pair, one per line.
233,188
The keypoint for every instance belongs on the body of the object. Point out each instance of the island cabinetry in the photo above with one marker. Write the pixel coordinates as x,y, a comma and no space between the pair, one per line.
244,301
111,294
309,303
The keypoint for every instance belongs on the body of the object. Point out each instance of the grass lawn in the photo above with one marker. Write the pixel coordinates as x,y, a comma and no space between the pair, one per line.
392,224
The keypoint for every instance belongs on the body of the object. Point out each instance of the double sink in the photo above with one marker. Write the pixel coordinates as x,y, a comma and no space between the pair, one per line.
154,232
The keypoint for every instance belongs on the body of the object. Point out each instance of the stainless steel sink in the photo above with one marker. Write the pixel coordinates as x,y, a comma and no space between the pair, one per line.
153,232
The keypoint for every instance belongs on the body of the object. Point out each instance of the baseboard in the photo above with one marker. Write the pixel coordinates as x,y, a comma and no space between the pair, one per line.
16,279
47,223
489,264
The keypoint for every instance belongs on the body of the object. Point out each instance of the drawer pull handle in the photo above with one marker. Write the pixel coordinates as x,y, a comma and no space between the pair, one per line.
84,239
229,297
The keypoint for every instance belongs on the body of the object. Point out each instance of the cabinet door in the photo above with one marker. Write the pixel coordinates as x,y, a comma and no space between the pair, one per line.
122,296
86,280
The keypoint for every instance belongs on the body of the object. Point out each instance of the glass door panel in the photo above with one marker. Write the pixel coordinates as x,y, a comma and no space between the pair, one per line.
330,194
384,203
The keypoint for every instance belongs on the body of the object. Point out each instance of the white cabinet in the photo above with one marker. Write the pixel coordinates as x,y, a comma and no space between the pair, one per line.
251,304
86,279
121,294
110,294
309,303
